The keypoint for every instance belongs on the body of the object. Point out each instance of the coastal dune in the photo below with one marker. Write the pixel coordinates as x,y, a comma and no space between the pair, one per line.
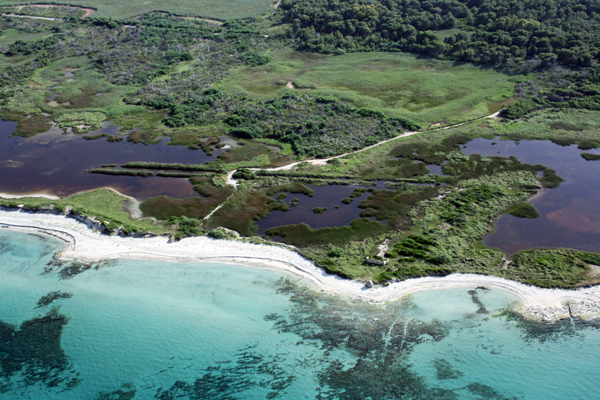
85,244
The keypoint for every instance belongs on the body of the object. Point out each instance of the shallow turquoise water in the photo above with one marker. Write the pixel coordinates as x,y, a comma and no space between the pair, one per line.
137,329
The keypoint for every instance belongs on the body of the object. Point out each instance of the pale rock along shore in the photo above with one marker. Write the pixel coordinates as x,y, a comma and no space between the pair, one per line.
86,244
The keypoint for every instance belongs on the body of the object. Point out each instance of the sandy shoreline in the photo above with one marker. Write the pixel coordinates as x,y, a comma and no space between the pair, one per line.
20,196
85,244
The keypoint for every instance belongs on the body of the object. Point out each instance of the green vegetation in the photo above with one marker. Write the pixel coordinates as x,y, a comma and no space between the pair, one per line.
164,208
554,267
32,125
487,30
103,205
10,36
252,154
254,86
108,171
302,235
590,156
355,193
523,210
579,127
316,127
168,166
252,202
186,227
560,44
47,10
208,8
81,98
425,90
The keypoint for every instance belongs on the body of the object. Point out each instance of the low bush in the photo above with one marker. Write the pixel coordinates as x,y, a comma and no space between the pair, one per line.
523,210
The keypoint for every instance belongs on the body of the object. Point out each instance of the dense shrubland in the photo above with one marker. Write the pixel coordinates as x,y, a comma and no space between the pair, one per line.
559,40
315,127
174,63
493,31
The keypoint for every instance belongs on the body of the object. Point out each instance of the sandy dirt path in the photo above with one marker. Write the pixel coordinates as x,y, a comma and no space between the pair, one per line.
88,11
30,16
323,161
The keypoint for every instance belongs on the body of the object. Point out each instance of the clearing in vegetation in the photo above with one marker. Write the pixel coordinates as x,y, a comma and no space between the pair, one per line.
204,8
425,90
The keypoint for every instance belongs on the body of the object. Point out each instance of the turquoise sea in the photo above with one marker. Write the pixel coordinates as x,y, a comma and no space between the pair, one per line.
153,330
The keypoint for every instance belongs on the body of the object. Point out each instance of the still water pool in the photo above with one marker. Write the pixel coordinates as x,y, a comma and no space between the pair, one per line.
55,163
570,215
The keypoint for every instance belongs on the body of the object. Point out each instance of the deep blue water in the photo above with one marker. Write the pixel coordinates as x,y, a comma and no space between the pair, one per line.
142,330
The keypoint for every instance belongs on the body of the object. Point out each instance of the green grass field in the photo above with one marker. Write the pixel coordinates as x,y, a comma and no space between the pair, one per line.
202,8
427,91
102,204
10,36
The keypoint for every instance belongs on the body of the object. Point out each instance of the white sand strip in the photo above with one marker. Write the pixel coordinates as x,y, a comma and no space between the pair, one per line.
20,196
88,245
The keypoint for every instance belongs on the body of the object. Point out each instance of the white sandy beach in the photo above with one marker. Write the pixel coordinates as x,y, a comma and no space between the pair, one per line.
86,244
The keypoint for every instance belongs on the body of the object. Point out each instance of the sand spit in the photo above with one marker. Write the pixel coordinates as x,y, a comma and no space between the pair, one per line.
86,244
20,196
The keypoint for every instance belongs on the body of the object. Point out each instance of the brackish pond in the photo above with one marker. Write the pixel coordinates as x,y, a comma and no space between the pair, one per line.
324,196
570,214
54,163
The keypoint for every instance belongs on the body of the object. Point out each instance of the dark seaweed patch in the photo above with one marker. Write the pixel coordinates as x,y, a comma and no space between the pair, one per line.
475,299
378,366
33,352
70,269
486,392
445,370
229,379
568,328
125,392
50,297
380,345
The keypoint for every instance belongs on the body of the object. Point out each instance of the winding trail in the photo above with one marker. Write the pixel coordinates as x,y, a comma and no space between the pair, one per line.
88,11
323,161
31,17
231,182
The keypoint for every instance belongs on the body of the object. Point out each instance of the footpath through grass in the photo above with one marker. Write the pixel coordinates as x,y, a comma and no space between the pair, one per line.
424,90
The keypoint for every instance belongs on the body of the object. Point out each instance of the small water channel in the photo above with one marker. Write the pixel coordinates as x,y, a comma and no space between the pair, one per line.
569,214
55,163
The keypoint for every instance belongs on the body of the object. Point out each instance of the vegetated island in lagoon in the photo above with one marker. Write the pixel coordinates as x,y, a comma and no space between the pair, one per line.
210,81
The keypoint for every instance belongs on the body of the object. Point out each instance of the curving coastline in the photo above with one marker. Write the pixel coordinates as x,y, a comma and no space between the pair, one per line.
87,244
